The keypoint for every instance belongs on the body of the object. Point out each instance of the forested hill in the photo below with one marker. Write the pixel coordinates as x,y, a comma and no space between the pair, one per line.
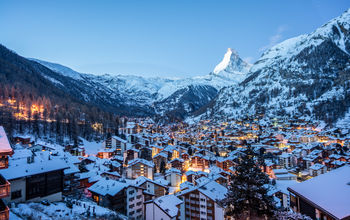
27,100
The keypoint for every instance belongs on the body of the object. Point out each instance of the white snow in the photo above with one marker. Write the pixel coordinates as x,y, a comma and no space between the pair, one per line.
331,191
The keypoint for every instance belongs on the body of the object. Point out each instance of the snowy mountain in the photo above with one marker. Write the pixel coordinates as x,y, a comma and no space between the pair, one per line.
147,95
307,75
232,66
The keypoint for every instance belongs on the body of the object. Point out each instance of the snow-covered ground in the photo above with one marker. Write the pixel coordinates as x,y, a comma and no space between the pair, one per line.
91,147
59,210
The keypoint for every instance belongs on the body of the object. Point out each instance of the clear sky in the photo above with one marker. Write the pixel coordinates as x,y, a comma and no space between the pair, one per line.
155,38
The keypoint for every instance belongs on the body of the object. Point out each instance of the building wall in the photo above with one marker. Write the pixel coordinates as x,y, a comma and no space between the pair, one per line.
153,212
219,212
18,184
134,208
52,198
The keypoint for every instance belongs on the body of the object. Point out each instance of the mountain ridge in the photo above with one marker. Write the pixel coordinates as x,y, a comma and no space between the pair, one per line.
306,75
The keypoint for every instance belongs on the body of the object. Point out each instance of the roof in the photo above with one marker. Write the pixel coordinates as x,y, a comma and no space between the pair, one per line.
120,139
108,186
140,160
330,191
21,168
168,204
214,190
5,147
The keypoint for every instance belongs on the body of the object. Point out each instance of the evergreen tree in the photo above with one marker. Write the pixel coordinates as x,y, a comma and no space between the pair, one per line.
247,191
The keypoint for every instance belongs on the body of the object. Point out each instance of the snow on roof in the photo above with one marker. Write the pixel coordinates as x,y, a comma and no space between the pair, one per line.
186,185
172,170
5,147
120,139
317,166
162,181
213,190
169,204
21,168
72,169
330,191
140,160
141,180
108,186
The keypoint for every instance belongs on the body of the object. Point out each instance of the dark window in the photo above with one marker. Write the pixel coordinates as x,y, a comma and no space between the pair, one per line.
44,184
16,194
35,186
54,182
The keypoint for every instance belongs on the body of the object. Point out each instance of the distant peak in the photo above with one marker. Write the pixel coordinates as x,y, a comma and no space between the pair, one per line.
231,63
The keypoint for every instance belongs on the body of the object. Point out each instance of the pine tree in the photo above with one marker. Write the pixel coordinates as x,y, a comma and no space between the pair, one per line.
247,192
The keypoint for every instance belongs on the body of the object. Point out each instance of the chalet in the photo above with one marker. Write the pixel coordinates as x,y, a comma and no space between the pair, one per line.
131,154
5,189
154,188
283,174
160,158
177,164
323,197
121,196
106,153
317,169
25,140
116,143
165,207
111,175
201,202
286,160
173,176
225,162
35,178
140,167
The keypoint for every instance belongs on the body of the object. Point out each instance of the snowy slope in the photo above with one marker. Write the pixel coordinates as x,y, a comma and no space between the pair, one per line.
148,95
307,75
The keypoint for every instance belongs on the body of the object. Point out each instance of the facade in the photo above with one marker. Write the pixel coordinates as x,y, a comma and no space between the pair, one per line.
35,178
121,196
201,202
5,189
140,167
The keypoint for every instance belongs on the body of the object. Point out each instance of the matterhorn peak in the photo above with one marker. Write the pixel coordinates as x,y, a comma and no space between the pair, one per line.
231,63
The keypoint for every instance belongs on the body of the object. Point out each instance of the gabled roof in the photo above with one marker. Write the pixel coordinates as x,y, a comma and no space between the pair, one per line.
140,160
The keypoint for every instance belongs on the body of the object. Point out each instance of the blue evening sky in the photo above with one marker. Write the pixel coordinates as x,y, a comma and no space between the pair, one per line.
155,38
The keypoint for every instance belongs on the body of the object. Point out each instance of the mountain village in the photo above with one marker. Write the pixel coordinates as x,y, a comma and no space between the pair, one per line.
179,171
269,140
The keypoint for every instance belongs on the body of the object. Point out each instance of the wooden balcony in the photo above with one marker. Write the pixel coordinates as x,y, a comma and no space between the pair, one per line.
4,211
4,163
4,187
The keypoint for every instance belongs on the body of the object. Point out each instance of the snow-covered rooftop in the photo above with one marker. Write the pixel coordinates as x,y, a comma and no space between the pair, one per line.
168,204
5,147
20,167
330,191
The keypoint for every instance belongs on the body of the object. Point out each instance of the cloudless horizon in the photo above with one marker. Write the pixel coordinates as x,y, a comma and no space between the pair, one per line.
155,38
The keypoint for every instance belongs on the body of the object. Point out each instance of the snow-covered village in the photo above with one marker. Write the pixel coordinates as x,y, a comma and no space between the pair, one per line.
119,135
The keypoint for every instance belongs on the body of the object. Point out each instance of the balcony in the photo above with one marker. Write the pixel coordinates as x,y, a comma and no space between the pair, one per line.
4,187
4,163
4,211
